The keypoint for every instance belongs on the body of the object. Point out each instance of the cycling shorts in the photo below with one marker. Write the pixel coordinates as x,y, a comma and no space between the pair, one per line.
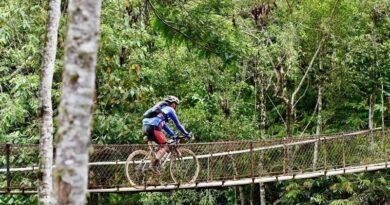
154,133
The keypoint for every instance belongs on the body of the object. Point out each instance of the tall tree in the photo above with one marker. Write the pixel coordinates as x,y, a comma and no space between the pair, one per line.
75,111
46,140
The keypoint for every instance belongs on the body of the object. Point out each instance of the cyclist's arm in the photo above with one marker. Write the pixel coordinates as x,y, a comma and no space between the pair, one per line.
169,131
177,122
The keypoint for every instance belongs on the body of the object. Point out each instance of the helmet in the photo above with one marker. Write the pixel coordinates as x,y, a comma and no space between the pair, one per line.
172,99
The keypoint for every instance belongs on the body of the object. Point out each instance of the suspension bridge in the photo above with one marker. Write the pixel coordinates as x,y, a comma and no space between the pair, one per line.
221,163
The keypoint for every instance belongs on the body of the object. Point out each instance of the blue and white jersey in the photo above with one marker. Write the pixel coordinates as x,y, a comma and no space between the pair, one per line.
161,120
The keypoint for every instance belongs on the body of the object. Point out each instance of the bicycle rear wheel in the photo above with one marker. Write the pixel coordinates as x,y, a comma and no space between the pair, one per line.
185,169
136,168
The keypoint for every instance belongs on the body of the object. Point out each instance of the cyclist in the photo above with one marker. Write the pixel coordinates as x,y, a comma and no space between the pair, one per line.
155,119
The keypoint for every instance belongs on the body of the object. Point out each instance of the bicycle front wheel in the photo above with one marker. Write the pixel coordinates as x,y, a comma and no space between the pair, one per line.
136,168
184,168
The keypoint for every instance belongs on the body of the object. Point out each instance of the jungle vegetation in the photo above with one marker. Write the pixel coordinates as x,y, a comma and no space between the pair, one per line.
249,69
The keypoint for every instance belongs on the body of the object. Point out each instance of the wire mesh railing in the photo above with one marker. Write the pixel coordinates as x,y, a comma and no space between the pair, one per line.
219,161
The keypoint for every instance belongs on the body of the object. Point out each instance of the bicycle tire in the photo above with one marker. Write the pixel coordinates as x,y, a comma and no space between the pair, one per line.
132,169
177,166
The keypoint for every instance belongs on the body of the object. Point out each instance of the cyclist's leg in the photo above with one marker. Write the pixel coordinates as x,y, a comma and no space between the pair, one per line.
148,131
162,141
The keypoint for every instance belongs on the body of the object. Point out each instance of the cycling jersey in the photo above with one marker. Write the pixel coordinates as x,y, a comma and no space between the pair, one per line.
168,113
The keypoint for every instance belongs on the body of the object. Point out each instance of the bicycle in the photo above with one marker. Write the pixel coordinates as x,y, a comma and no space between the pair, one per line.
183,165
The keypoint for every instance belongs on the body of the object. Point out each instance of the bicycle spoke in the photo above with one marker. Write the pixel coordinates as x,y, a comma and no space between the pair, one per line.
184,169
137,168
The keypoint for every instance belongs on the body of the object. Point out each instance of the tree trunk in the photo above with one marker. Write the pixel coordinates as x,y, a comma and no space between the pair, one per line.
371,103
262,194
46,141
242,197
142,16
263,111
251,195
289,111
75,112
388,111
382,108
319,116
318,128
371,112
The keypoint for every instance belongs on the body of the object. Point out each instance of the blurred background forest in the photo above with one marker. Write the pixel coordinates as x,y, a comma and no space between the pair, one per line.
250,69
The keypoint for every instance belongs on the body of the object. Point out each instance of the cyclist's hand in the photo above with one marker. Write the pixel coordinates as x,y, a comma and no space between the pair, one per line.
189,135
170,141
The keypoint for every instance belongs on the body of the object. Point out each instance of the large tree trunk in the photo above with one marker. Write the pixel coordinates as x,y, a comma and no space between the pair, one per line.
75,111
46,140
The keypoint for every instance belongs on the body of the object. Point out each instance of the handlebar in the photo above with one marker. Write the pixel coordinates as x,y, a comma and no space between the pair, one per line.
176,139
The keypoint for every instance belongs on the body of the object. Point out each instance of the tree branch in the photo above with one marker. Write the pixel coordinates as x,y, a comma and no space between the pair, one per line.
159,17
307,70
281,117
166,23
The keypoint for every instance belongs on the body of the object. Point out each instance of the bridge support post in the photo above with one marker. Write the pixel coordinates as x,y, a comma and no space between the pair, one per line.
7,159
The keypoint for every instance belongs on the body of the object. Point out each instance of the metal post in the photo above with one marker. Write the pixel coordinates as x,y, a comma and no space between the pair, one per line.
7,159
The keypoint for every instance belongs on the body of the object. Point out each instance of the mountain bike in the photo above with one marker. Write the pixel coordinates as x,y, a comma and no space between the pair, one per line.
183,165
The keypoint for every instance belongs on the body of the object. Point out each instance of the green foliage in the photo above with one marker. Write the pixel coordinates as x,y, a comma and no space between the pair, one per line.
215,56
204,197
363,188
18,200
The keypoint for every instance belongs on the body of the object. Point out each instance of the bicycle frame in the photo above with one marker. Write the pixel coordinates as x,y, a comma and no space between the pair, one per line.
153,153
149,156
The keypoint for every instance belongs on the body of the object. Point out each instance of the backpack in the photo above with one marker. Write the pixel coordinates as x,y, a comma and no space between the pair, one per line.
155,110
